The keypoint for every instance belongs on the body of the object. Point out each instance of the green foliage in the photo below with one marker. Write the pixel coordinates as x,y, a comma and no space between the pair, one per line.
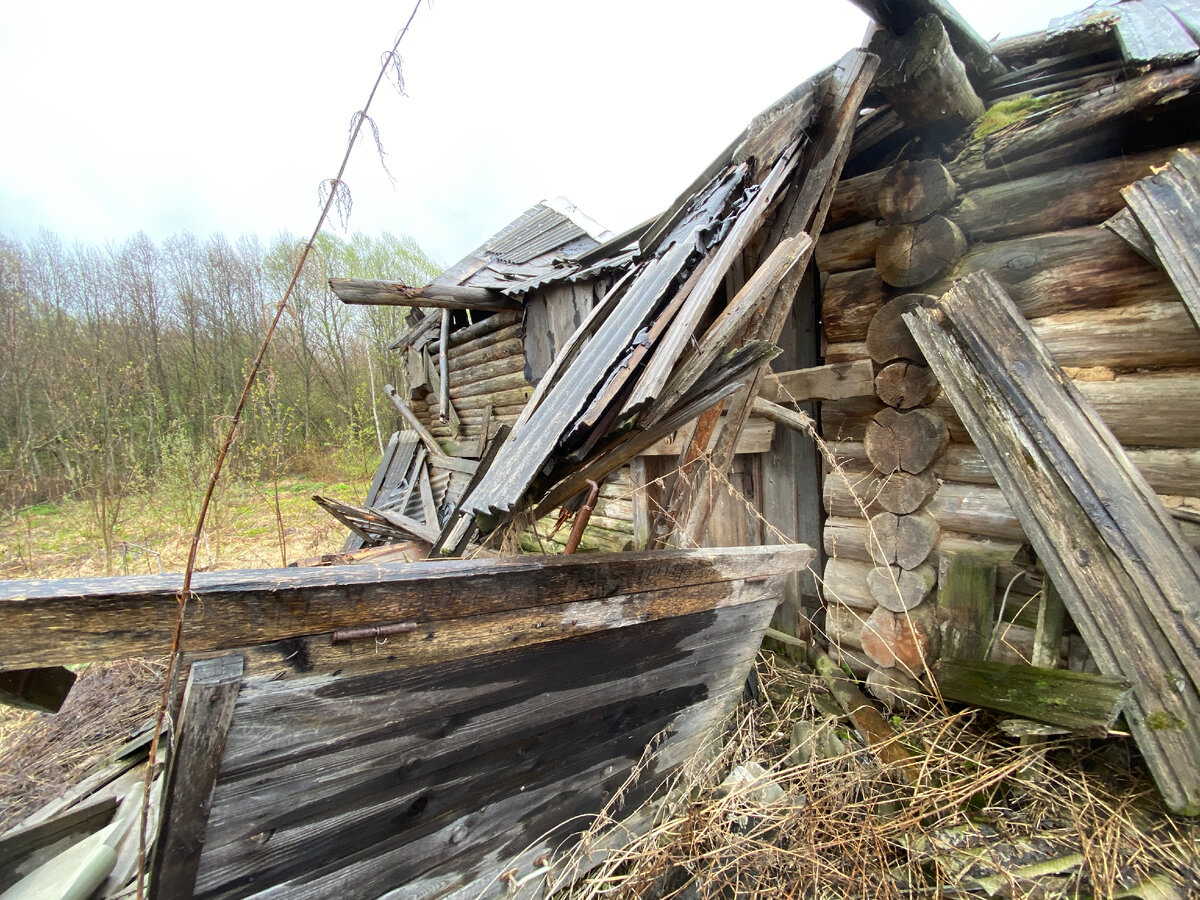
1007,112
119,366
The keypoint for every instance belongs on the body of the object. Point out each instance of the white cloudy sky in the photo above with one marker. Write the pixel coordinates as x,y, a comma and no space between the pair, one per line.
225,116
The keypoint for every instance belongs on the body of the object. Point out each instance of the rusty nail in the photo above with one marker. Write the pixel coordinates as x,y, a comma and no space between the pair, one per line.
373,631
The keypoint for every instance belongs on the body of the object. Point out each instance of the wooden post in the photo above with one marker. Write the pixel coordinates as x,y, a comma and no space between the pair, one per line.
966,598
444,368
204,720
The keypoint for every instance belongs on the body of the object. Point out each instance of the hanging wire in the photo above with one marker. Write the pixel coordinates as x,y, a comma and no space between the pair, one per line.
334,194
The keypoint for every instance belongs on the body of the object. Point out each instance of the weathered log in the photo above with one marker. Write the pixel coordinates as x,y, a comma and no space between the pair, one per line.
905,541
489,325
845,583
1075,700
1165,469
835,381
849,300
905,385
465,376
975,510
856,487
395,293
494,387
850,351
1148,93
912,255
975,52
901,590
471,355
1070,197
965,603
844,625
925,81
1047,274
887,335
849,248
855,200
914,191
895,689
905,441
897,639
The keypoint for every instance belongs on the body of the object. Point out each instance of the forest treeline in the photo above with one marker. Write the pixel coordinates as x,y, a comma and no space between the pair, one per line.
120,362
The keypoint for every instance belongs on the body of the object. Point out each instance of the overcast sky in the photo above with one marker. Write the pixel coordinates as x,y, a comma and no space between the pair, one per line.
225,116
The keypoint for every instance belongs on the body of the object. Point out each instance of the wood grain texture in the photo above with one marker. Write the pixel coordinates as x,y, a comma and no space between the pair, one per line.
78,620
199,744
1088,514
495,754
1167,206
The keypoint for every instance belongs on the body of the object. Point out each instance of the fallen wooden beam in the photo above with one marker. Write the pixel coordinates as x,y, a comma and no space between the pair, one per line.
79,620
364,291
1080,701
1127,575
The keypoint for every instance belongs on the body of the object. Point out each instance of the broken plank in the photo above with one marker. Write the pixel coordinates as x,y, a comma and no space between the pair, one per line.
1076,700
1167,206
836,381
204,719
1128,578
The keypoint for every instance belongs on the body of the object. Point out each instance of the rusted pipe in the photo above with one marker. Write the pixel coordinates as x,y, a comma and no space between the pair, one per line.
581,517
373,631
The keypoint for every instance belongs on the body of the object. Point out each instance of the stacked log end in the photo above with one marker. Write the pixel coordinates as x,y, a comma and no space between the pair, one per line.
881,536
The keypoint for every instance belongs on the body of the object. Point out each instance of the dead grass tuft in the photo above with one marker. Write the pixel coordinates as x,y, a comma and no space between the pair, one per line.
43,754
986,816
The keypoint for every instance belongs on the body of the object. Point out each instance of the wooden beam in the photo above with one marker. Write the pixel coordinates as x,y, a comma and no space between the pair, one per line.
90,620
1077,700
367,292
204,719
1167,206
900,15
836,381
42,690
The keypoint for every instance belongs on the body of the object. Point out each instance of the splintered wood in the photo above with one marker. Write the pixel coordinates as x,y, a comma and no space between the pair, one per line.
1129,578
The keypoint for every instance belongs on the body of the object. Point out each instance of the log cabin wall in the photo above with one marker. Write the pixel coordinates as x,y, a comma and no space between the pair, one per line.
910,489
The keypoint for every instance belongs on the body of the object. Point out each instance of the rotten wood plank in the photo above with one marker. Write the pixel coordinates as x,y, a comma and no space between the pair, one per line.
1167,206
200,737
1126,573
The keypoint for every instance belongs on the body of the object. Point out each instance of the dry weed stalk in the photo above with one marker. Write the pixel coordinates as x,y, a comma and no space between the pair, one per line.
981,812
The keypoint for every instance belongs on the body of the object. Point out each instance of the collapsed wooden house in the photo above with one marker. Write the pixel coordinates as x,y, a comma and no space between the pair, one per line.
973,272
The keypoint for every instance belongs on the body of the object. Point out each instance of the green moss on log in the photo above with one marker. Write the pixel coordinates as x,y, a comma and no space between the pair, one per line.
1006,112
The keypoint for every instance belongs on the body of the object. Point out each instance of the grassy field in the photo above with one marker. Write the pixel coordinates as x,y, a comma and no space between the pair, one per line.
154,531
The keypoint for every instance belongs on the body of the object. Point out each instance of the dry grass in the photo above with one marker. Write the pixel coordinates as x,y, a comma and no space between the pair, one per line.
43,754
983,809
59,540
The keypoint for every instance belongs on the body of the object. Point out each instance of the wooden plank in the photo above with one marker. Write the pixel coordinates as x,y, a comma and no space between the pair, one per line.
532,442
1129,579
363,291
1076,700
41,690
803,211
203,725
965,600
1167,206
495,749
88,620
837,381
